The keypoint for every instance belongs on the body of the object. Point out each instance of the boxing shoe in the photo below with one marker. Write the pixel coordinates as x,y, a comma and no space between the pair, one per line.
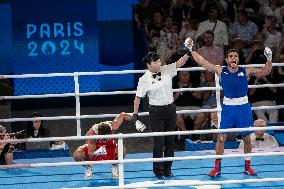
88,172
248,169
114,172
217,169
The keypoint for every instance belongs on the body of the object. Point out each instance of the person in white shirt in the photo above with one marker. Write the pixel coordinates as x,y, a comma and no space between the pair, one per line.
156,83
218,27
260,139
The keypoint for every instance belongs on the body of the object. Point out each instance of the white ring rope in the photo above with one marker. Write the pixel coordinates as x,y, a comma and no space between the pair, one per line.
112,72
144,160
128,92
37,96
99,116
137,135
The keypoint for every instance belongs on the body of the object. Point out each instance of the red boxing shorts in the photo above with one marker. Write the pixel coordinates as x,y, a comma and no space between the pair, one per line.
111,149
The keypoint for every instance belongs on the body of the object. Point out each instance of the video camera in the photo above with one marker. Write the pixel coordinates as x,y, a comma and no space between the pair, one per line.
18,135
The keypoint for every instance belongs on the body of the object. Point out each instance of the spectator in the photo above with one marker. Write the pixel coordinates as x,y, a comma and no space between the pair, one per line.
280,95
180,49
208,4
212,123
209,97
281,57
196,11
239,46
153,29
6,149
218,27
143,13
251,6
177,11
188,29
167,41
272,8
272,37
244,29
260,139
187,100
215,55
209,51
36,129
256,54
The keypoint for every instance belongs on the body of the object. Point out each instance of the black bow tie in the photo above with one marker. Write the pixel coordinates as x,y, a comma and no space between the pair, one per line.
157,75
259,139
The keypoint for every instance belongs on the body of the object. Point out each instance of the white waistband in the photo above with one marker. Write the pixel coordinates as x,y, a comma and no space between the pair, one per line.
235,101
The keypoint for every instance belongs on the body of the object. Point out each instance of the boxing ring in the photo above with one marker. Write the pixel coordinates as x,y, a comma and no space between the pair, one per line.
190,168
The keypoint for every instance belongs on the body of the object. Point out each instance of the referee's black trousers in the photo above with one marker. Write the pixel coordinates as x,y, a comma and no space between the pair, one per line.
163,118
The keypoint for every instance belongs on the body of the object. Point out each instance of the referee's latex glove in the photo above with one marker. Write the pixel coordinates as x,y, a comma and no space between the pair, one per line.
140,126
188,43
100,151
268,53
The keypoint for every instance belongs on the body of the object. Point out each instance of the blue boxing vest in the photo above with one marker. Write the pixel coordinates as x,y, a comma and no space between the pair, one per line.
235,85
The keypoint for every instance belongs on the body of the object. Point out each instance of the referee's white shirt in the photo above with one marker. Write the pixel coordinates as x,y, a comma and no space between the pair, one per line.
160,93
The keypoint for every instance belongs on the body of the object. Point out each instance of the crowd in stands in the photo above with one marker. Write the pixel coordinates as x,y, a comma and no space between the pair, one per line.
216,26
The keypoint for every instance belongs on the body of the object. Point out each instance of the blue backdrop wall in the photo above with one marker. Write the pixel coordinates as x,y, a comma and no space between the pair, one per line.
48,36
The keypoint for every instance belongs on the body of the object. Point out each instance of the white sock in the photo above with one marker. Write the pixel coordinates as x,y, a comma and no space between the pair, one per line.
247,158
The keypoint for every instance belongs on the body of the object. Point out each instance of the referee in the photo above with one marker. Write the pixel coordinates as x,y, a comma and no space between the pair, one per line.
157,84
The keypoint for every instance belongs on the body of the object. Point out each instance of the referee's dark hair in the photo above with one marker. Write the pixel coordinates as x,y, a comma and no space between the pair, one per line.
150,57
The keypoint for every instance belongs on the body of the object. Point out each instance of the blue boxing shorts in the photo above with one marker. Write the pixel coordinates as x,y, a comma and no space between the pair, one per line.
237,116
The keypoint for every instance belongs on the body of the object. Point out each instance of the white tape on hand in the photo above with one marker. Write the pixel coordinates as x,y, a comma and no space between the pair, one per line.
268,53
140,126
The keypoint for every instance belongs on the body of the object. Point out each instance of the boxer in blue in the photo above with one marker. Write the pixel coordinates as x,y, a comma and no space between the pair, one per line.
236,110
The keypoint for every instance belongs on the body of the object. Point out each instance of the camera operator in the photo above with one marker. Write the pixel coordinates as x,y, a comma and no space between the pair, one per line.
6,149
